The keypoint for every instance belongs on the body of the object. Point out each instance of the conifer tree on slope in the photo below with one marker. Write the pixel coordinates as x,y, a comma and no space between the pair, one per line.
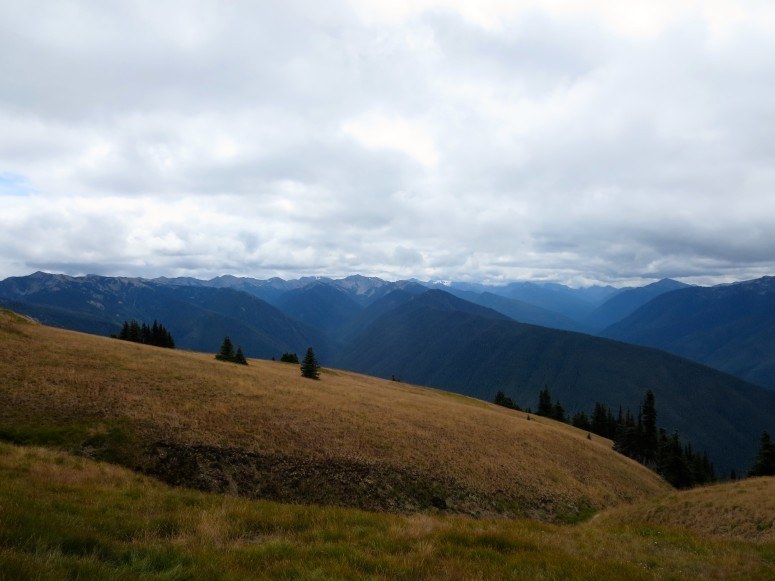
239,357
545,407
309,366
227,350
765,460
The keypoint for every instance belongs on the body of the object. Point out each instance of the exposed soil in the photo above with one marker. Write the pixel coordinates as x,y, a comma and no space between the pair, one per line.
303,480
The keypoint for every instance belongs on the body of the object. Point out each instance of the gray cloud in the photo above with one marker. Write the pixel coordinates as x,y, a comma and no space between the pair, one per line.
249,138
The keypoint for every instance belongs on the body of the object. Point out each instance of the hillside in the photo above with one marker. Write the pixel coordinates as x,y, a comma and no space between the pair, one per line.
94,520
744,509
263,431
438,340
729,327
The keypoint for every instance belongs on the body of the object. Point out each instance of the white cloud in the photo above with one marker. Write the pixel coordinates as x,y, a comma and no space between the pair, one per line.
381,132
497,139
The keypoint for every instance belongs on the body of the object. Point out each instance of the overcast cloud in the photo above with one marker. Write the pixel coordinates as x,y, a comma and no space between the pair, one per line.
490,140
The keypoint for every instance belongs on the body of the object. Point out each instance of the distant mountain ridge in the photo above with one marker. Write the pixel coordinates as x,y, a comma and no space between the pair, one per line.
545,304
198,317
730,327
627,301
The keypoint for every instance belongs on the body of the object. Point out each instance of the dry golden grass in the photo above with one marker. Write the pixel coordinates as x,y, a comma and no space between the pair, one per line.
52,377
744,509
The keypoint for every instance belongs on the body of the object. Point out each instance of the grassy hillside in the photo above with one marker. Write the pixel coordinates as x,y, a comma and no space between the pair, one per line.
94,520
744,509
263,431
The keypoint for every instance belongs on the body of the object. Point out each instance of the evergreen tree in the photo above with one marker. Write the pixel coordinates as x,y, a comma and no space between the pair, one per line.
677,470
558,412
649,429
289,358
581,421
134,332
169,341
227,350
502,400
765,460
145,334
545,407
310,367
603,422
239,357
155,335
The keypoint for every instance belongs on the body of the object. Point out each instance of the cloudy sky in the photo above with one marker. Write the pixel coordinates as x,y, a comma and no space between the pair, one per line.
492,140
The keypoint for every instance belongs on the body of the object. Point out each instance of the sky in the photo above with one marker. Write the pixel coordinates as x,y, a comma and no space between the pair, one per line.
579,142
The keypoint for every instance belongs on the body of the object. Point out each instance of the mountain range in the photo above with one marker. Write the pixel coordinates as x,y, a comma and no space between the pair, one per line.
730,327
472,339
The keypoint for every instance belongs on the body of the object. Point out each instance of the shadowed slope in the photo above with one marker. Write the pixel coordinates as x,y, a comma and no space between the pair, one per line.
729,327
627,301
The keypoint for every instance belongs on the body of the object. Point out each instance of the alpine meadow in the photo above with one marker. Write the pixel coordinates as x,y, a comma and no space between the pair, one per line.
366,289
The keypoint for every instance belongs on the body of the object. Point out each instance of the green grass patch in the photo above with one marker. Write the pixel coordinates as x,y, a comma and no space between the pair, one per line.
65,437
576,515
91,520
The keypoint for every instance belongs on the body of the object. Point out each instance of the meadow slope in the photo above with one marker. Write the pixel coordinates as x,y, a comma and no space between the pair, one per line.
263,431
743,509
100,521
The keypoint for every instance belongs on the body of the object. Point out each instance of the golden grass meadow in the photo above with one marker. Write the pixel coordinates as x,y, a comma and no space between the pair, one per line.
543,501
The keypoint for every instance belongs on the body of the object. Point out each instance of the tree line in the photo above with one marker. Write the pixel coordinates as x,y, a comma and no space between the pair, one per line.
156,334
636,436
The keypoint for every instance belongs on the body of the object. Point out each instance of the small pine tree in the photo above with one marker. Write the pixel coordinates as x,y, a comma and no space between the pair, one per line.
134,332
310,367
145,334
765,460
503,400
289,358
545,407
239,357
581,421
558,412
227,350
649,439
